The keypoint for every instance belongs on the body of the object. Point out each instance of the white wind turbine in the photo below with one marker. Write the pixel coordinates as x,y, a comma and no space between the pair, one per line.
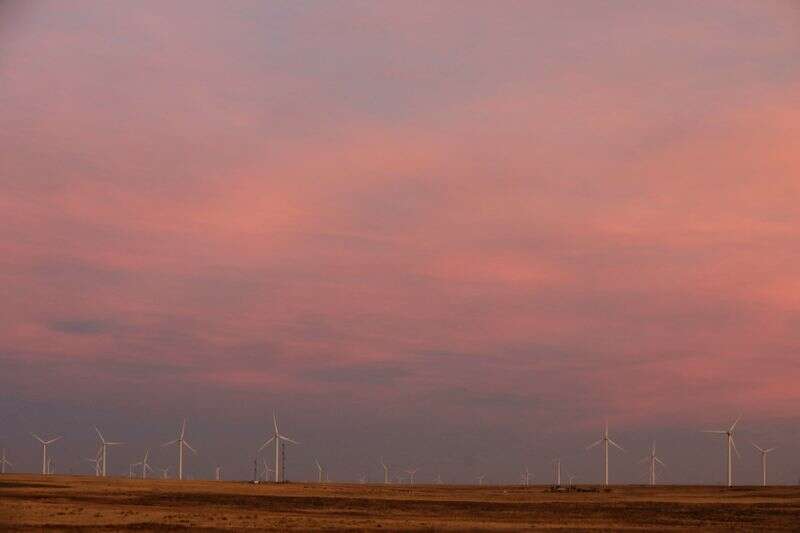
181,442
105,444
438,479
97,459
570,479
4,462
218,473
145,464
319,471
267,470
164,472
526,477
385,472
480,479
557,472
45,444
277,438
652,458
605,440
763,453
411,474
729,444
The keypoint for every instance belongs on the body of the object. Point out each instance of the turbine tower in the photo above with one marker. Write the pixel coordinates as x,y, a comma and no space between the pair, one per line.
45,444
385,472
4,462
605,440
181,442
729,444
105,444
762,451
653,459
277,438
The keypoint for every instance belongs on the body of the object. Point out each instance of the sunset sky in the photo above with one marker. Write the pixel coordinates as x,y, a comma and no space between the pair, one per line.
454,234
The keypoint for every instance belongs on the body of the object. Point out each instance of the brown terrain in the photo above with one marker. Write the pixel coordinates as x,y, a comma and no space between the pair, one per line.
29,502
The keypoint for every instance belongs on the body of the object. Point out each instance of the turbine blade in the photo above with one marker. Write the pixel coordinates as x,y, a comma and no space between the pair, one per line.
617,445
770,449
275,422
659,461
757,447
37,437
288,439
714,431
100,435
589,447
190,447
51,441
266,443
734,424
183,429
735,448
170,442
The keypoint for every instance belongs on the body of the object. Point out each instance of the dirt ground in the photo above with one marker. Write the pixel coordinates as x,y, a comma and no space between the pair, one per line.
29,502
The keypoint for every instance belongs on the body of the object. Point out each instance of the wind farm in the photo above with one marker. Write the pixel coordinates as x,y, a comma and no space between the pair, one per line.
399,265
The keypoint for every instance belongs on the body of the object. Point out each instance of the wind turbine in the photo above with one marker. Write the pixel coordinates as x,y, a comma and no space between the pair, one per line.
653,459
385,472
729,444
526,477
319,471
96,461
267,470
557,471
145,464
181,442
411,474
105,445
45,444
480,479
218,473
4,462
277,437
605,440
164,472
570,477
762,451
438,479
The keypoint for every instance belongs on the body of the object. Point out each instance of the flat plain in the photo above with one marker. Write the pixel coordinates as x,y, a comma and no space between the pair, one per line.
75,503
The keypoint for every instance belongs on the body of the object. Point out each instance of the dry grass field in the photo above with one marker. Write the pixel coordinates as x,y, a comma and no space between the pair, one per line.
30,502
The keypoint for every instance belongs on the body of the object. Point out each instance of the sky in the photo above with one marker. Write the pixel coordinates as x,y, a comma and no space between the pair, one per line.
456,235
